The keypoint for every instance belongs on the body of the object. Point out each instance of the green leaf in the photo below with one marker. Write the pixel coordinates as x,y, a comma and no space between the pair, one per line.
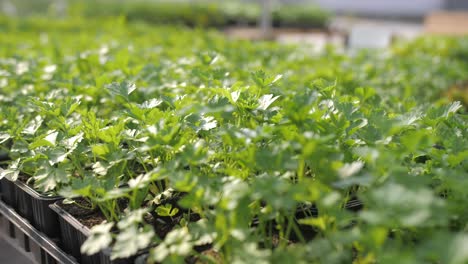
177,243
100,149
458,249
48,141
100,238
207,123
134,217
397,204
69,106
47,177
350,169
100,168
452,108
4,137
56,155
72,142
150,104
123,89
12,172
319,222
33,125
265,101
456,159
130,240
166,210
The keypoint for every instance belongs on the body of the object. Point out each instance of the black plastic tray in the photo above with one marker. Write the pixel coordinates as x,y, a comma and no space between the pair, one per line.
35,207
3,157
8,192
73,235
34,244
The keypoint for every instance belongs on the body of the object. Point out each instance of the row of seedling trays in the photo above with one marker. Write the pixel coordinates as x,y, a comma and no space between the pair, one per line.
50,234
44,230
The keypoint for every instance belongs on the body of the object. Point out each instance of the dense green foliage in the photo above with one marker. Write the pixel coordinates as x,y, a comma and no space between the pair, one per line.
234,146
189,13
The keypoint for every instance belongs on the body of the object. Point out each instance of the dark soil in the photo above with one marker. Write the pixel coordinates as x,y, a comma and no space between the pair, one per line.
87,217
208,255
163,225
23,178
91,220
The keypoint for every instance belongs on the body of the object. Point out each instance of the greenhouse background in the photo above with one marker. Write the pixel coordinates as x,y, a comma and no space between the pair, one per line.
361,7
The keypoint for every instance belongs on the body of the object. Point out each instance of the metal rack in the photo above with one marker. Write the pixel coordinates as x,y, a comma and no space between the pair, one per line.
32,243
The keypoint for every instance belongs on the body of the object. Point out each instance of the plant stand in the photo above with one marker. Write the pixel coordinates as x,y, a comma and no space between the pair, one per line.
33,244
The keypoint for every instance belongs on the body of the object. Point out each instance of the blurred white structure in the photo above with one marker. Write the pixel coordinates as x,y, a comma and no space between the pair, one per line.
266,19
383,7
8,8
369,36
386,8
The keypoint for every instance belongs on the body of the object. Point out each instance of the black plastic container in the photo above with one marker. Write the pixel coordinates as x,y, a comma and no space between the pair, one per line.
8,192
35,207
354,205
30,242
73,235
23,202
3,157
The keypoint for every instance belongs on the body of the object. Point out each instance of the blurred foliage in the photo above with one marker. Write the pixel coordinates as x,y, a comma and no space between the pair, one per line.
193,13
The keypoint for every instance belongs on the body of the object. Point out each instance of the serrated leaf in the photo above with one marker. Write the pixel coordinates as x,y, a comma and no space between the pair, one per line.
12,172
140,181
33,125
177,242
100,238
123,89
57,155
40,143
152,103
69,106
130,240
52,137
72,142
235,96
100,168
134,217
207,123
48,177
349,169
265,101
166,210
45,141
452,108
277,78
456,159
4,137
100,149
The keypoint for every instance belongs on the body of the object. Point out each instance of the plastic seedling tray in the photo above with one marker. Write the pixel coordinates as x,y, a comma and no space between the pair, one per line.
35,207
354,205
33,243
73,235
4,156
8,192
